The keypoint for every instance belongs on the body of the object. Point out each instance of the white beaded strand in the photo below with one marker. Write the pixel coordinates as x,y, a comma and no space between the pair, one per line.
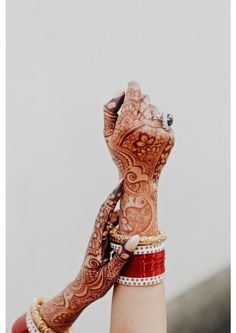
142,249
32,328
140,282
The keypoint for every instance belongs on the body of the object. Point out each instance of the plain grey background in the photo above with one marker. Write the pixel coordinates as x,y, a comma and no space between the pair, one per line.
65,59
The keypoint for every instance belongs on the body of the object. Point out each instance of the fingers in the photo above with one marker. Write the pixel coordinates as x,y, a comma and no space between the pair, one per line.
145,102
149,111
156,115
155,111
118,261
132,97
145,112
105,211
113,219
111,113
110,203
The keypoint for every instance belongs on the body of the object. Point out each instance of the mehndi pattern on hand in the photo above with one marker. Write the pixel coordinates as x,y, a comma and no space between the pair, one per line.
139,144
97,275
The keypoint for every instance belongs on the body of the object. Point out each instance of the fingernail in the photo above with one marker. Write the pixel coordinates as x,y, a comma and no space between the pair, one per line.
132,243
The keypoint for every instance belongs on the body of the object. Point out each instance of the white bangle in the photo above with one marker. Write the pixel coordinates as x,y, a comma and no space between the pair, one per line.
141,282
141,249
32,328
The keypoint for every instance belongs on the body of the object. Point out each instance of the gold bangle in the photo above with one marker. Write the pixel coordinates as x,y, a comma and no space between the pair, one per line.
157,238
37,318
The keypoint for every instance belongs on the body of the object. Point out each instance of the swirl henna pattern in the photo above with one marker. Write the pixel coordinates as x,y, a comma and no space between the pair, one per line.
97,275
139,146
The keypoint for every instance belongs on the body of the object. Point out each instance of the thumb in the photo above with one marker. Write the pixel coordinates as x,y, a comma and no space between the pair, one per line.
132,243
111,113
121,258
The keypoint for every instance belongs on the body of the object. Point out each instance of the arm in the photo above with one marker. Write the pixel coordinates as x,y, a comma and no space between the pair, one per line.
140,140
139,310
96,276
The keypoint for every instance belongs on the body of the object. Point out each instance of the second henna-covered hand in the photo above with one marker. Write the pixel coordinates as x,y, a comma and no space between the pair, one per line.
97,275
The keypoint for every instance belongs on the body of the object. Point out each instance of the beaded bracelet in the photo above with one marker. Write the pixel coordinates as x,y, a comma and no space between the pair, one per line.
31,326
38,320
157,238
141,249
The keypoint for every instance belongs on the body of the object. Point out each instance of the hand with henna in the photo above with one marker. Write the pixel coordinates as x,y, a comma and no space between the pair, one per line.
98,273
140,139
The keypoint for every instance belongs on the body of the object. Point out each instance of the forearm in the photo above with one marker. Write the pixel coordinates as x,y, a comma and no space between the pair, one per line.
55,315
138,309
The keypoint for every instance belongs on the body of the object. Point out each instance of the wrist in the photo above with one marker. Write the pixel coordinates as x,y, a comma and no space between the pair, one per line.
138,205
60,312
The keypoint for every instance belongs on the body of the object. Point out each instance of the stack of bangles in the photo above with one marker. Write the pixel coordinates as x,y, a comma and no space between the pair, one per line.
32,322
147,266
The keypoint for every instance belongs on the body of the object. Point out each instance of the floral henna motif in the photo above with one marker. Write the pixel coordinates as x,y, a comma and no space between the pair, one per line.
95,278
139,146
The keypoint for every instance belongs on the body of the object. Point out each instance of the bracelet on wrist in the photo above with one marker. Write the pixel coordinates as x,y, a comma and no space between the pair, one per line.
145,268
32,328
157,238
40,324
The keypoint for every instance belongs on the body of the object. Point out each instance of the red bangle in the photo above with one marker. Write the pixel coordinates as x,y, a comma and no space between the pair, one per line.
19,325
146,267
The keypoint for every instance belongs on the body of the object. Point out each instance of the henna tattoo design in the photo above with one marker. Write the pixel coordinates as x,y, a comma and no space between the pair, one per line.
96,276
139,146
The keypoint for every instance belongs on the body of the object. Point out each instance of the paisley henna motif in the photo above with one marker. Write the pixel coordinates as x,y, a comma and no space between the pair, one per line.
139,146
95,278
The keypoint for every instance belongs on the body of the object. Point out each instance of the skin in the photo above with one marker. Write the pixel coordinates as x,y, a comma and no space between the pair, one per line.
96,275
138,309
139,146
